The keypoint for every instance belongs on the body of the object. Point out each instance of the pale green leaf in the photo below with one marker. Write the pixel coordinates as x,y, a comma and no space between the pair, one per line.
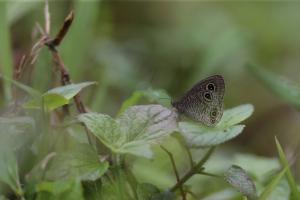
134,131
81,162
239,179
236,115
9,171
272,185
69,91
60,190
289,175
58,96
198,135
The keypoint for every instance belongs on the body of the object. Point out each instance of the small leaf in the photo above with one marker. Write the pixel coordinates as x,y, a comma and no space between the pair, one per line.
239,179
134,131
153,95
9,171
131,101
58,96
289,175
198,135
236,115
82,162
69,91
280,86
272,185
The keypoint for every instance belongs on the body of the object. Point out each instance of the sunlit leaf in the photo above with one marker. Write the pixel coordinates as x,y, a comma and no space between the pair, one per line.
198,135
239,179
280,86
58,96
134,131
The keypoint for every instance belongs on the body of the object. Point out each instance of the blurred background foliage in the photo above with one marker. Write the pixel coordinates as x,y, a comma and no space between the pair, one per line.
132,45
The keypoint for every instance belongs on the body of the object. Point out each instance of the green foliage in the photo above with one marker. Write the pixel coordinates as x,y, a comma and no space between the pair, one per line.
9,173
134,131
197,135
58,96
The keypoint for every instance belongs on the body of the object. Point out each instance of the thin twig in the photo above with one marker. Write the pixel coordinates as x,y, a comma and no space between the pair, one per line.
47,18
175,171
190,156
193,171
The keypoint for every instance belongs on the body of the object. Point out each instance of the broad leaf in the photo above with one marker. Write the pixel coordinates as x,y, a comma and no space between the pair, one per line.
9,171
280,86
134,131
239,179
81,162
197,135
59,190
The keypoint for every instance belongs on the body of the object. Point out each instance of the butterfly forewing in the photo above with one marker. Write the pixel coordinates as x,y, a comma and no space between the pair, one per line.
204,102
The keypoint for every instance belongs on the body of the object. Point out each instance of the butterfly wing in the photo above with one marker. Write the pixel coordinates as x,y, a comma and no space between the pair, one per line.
204,102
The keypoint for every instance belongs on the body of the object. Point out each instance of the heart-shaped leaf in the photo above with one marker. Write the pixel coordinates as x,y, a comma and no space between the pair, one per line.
134,131
239,179
197,135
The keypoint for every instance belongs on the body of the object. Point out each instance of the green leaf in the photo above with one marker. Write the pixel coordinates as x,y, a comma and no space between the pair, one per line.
81,162
236,115
153,95
134,131
164,196
198,135
58,96
9,171
280,192
60,190
146,191
272,185
289,175
239,179
282,87
15,132
29,90
133,100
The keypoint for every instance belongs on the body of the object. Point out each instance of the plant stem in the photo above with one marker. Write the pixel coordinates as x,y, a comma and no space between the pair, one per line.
175,171
194,170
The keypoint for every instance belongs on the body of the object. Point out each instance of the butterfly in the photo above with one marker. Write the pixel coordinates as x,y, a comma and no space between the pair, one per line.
204,101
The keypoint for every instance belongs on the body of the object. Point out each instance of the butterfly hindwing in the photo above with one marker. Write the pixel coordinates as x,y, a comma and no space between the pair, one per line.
204,102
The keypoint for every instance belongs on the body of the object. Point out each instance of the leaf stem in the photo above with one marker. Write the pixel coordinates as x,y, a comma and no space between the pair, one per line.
175,171
194,170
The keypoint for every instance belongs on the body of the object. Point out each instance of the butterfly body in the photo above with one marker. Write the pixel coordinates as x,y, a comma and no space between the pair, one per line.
204,102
